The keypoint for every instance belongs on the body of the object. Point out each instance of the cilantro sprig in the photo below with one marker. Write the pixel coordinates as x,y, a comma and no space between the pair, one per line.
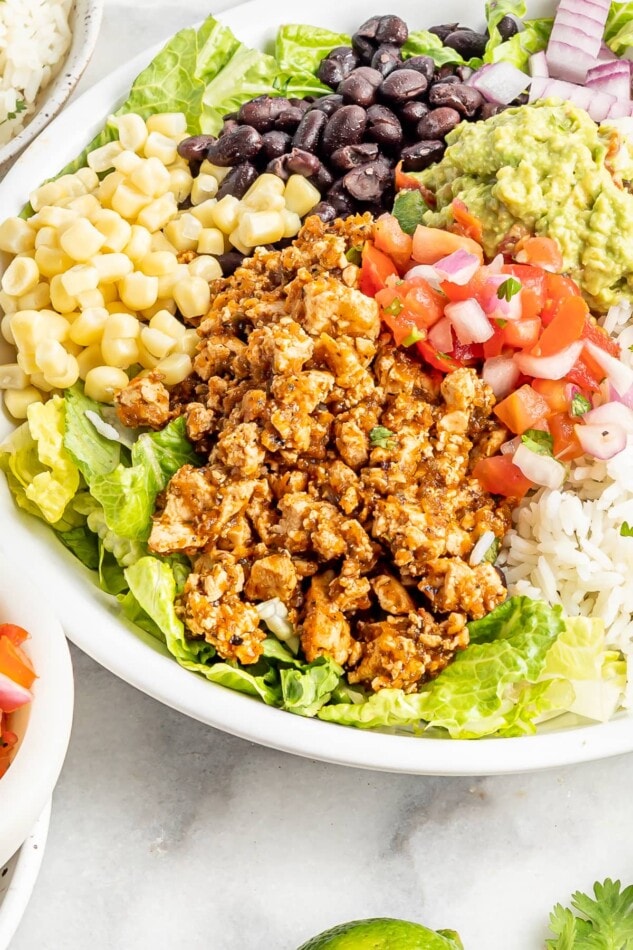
580,405
508,289
382,438
538,441
603,921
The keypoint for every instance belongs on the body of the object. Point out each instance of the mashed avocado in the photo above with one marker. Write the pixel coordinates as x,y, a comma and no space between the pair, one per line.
549,168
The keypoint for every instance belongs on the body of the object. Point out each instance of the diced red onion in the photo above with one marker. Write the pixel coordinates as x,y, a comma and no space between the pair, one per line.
12,695
441,335
619,109
470,323
458,267
541,469
495,265
576,39
426,272
619,375
510,447
601,441
498,308
611,413
478,552
619,313
502,374
612,78
500,82
538,65
597,104
606,55
626,398
550,367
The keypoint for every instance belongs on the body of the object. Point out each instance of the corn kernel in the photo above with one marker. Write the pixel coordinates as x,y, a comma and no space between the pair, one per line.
127,161
18,401
132,130
160,146
138,291
206,267
52,216
164,321
158,344
265,194
85,206
183,232
167,283
123,326
203,188
117,306
140,243
108,186
155,215
88,359
9,304
193,296
5,329
36,299
26,361
237,243
12,377
128,201
188,343
225,213
102,159
61,300
56,363
16,236
219,172
89,178
175,368
51,261
81,240
116,231
121,353
20,277
30,327
112,267
211,241
102,382
204,212
39,381
73,186
150,177
145,358
90,298
47,237
79,278
68,377
260,227
180,183
47,194
171,124
88,326
300,195
292,223
109,292
158,263
160,243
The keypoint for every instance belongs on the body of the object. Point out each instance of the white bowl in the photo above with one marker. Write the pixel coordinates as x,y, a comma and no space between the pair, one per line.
43,727
18,877
85,20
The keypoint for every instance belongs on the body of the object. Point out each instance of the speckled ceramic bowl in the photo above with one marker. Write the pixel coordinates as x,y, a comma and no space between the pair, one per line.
85,21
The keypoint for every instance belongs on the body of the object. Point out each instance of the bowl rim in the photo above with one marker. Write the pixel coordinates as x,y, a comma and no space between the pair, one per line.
33,773
88,15
25,868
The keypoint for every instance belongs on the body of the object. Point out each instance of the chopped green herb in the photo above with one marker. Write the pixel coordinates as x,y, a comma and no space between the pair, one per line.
538,441
20,106
381,438
501,323
493,551
355,255
603,921
626,531
580,405
394,307
413,337
508,288
408,208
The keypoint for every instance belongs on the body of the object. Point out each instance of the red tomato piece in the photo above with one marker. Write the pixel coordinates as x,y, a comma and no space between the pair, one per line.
522,409
554,392
16,634
557,289
495,345
431,244
441,361
565,441
500,476
565,327
15,664
523,333
468,353
376,267
423,303
466,223
585,376
542,251
392,240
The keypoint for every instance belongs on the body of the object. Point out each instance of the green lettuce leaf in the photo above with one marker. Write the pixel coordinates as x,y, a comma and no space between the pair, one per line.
300,48
83,543
618,32
496,10
306,690
518,49
247,74
423,43
603,921
91,452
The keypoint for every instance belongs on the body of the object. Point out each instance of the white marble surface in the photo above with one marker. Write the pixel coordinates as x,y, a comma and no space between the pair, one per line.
166,834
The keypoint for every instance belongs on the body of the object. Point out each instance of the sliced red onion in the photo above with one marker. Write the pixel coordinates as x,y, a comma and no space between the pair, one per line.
500,82
441,335
597,104
426,272
611,413
606,55
510,447
458,267
601,441
470,323
620,109
495,265
576,39
550,367
502,374
619,375
479,551
12,695
540,469
538,65
612,78
626,398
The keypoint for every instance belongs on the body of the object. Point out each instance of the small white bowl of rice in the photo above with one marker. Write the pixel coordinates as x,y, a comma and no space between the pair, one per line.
45,46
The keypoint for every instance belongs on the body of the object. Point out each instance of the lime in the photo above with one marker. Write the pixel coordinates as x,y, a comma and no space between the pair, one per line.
383,933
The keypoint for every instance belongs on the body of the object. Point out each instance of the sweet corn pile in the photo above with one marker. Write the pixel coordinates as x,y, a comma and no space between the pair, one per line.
96,281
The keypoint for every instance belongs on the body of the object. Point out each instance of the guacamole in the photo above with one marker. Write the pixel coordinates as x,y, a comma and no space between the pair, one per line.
549,168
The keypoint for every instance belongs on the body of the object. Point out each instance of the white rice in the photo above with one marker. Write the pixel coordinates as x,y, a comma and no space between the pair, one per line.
34,38
566,545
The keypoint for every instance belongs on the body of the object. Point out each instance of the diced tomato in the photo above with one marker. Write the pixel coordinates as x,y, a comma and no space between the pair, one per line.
533,281
522,333
557,289
441,361
500,476
392,240
594,333
466,223
565,441
376,268
431,244
15,664
423,303
473,290
495,345
566,326
14,633
542,251
554,392
585,376
468,352
522,409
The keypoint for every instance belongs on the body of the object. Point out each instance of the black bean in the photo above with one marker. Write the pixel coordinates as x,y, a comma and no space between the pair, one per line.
328,104
325,211
438,123
384,128
367,182
323,179
350,156
340,199
521,100
491,108
364,47
463,73
228,126
391,29
422,64
288,119
303,104
235,147
386,59
300,162
274,144
278,166
194,148
507,27
345,127
458,96
421,155
359,88
238,181
337,65
443,30
310,130
447,71
229,262
402,85
466,42
262,111
411,112
369,28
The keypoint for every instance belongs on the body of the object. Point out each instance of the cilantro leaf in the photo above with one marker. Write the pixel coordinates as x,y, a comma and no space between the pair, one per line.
508,288
601,922
626,531
493,551
394,307
408,208
20,106
580,405
381,438
354,255
538,441
413,337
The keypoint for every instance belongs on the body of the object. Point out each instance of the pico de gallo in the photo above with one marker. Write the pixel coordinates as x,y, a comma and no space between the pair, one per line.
562,390
16,679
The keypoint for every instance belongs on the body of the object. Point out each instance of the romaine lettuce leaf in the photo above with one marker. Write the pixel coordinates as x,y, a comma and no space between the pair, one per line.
91,452
423,43
307,689
300,48
518,49
247,74
618,32
496,10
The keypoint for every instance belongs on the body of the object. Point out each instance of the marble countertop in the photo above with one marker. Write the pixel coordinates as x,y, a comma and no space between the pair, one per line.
166,834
